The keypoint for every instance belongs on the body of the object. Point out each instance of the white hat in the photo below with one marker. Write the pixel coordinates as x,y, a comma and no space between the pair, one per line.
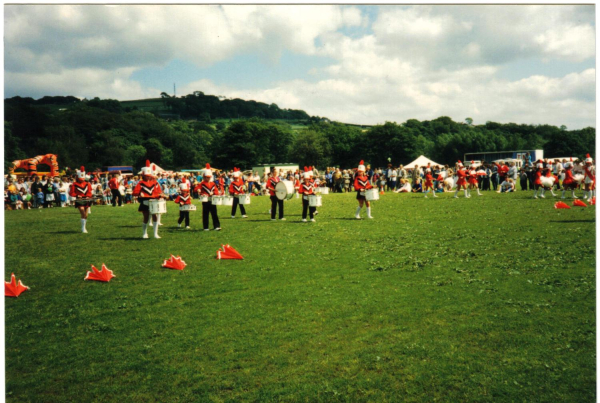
236,172
207,171
81,173
428,170
184,186
361,166
540,164
307,175
459,163
147,170
588,158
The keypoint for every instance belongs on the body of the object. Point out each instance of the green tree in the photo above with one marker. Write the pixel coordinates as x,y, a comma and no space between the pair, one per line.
311,148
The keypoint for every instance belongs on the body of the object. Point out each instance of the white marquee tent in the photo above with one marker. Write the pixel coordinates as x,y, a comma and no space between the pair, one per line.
422,161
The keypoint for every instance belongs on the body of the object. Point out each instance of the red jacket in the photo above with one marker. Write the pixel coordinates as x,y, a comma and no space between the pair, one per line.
236,187
538,177
183,199
271,183
113,183
207,189
568,177
589,173
81,189
147,189
362,183
307,188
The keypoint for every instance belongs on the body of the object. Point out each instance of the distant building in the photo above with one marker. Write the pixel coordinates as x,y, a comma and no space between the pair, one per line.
261,169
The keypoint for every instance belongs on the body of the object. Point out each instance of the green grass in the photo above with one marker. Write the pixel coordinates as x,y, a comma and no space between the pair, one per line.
488,299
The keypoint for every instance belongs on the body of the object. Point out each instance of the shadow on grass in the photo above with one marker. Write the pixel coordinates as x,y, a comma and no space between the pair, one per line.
63,232
571,221
125,239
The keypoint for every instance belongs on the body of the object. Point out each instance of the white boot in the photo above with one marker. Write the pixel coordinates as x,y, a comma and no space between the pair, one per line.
369,212
427,191
552,191
573,194
158,219
466,194
456,194
478,193
434,194
542,195
357,215
83,222
145,227
156,224
89,210
535,194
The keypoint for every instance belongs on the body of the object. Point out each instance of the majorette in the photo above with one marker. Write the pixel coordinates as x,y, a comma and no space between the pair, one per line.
361,184
148,189
237,188
81,190
461,173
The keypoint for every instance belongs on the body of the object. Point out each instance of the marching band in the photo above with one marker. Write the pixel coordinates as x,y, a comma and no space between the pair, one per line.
212,191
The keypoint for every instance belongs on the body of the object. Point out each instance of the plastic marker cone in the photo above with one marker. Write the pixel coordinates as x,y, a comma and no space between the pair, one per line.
174,263
381,193
13,289
593,201
227,252
103,275
561,205
579,203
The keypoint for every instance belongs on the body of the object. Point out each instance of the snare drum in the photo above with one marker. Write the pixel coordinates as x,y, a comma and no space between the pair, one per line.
203,199
244,199
187,207
227,201
372,194
157,206
217,200
324,190
314,201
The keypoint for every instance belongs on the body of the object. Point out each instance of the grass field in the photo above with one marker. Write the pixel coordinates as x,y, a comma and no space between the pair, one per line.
488,299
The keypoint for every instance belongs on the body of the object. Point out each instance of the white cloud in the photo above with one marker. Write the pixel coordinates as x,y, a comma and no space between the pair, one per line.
411,62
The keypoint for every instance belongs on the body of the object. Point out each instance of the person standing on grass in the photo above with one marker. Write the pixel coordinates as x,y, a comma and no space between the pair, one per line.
590,178
473,183
362,184
461,183
307,189
569,182
524,179
184,199
272,182
236,188
113,184
81,190
148,189
429,183
209,189
537,180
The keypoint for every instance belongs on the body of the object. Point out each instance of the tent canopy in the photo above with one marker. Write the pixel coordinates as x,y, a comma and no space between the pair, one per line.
422,161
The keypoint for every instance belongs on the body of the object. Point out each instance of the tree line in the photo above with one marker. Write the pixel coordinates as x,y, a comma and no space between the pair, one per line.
99,133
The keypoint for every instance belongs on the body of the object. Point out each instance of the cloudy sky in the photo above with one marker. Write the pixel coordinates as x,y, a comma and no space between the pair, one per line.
355,64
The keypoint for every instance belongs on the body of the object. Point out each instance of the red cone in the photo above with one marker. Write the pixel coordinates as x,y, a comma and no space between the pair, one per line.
561,205
103,275
579,203
174,263
228,253
593,201
13,289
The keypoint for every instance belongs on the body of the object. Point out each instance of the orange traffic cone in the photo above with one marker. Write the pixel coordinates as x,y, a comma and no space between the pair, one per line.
561,205
13,289
100,275
579,203
174,263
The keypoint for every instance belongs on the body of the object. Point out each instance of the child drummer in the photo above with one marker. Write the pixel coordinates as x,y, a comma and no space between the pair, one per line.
307,188
361,184
184,199
208,188
81,189
237,188
148,189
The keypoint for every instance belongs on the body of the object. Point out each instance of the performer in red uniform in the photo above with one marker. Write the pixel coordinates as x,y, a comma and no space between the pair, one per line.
473,183
209,189
548,174
428,183
184,199
81,189
461,173
361,184
148,189
537,179
237,188
275,202
113,184
569,181
590,178
307,188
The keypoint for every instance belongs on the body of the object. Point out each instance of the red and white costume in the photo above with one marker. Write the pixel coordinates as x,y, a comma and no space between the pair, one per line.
145,190
361,184
237,188
81,189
